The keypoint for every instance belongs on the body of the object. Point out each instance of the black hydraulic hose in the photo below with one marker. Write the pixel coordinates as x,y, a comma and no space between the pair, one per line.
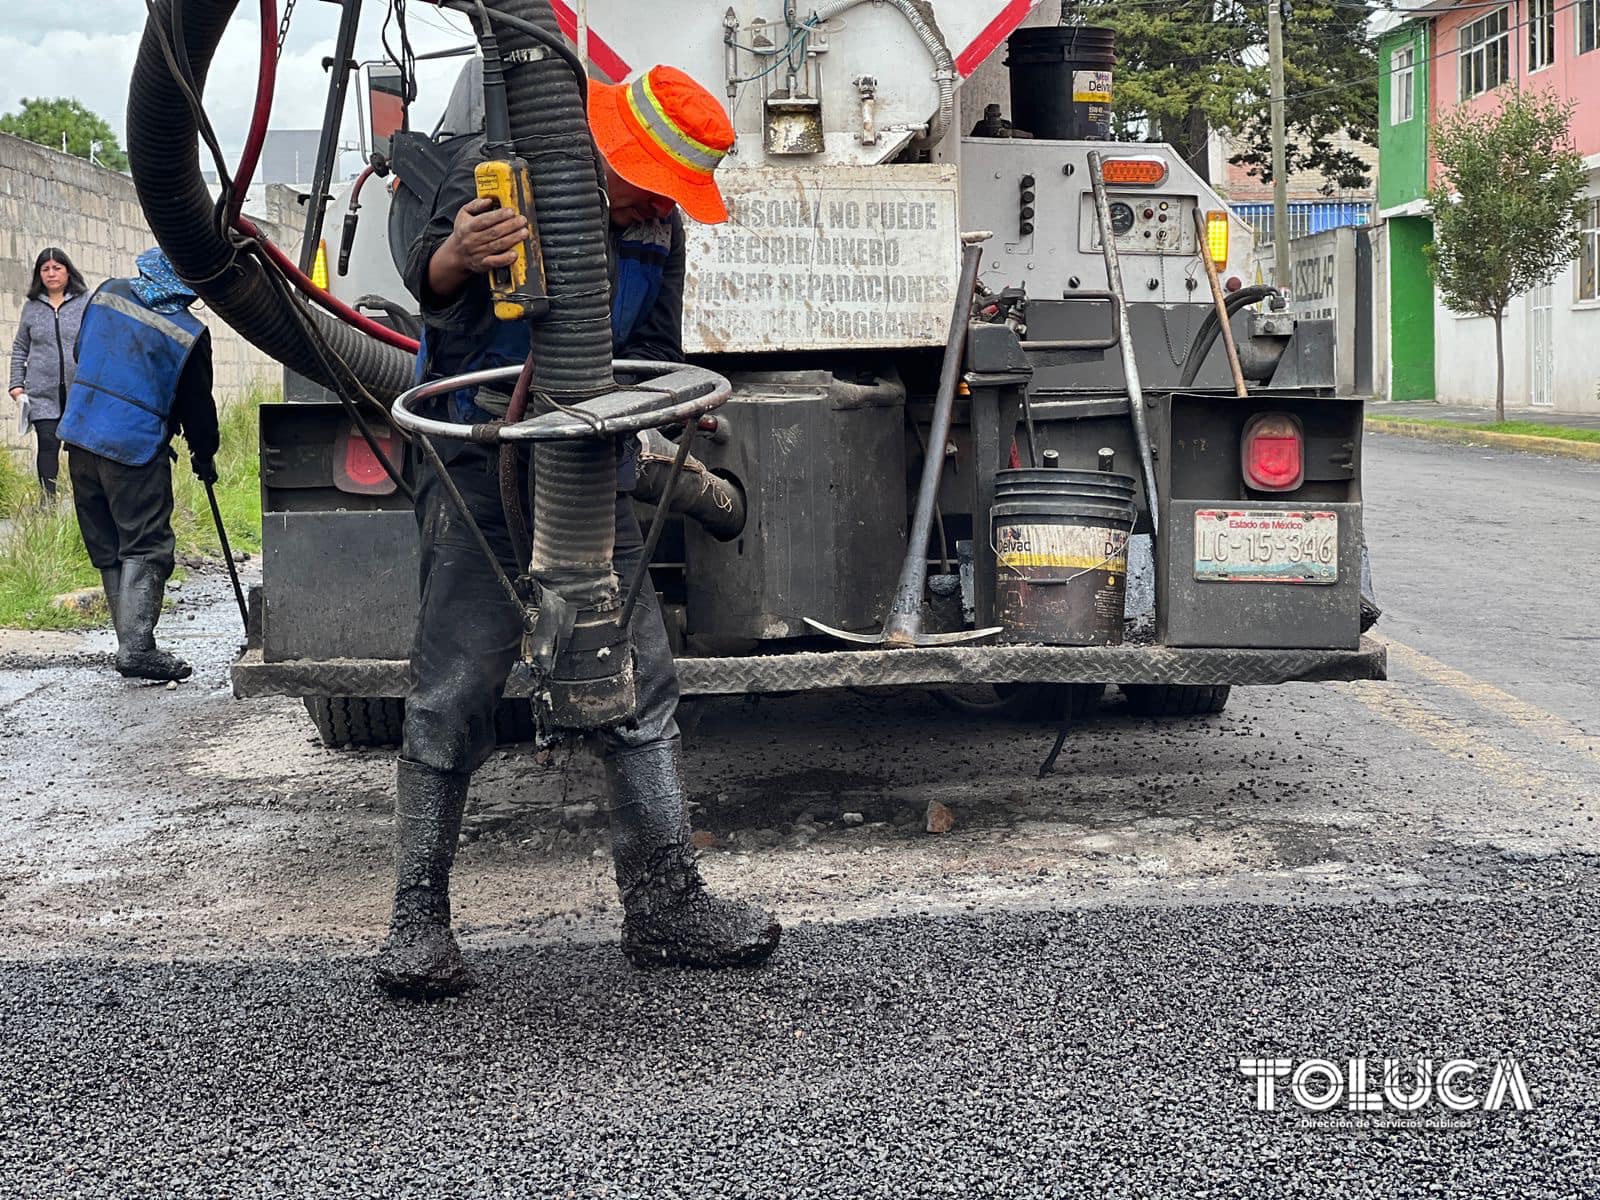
573,525
1205,337
162,131
557,44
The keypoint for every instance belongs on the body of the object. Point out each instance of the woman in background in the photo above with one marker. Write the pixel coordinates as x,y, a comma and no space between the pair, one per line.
42,365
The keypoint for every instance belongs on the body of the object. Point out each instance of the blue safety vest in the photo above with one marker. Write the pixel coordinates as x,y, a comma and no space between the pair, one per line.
129,361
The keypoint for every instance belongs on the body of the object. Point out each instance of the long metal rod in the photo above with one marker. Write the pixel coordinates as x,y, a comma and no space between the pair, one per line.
905,614
1027,420
332,120
1130,364
1221,302
658,522
1280,157
473,528
227,557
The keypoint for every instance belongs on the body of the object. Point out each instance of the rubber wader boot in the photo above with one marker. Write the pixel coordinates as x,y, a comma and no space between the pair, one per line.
138,610
420,960
669,918
111,581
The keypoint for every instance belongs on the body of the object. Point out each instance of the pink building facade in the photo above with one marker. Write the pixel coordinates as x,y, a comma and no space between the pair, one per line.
1478,52
1550,45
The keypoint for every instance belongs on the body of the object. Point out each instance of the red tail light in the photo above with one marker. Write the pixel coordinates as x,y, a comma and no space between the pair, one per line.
1274,453
356,470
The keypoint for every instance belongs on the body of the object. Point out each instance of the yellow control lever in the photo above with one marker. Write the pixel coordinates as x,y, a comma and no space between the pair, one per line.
518,289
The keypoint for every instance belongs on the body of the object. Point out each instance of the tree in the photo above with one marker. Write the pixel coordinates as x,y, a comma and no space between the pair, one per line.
1329,65
1185,68
45,121
1506,209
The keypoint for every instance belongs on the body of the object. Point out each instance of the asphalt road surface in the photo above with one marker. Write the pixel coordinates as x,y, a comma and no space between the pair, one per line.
1051,999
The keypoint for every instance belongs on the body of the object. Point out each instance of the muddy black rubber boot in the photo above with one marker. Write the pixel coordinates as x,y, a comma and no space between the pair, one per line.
111,582
669,917
138,609
420,960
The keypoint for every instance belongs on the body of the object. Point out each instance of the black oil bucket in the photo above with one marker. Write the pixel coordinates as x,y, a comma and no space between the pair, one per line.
1061,555
1061,81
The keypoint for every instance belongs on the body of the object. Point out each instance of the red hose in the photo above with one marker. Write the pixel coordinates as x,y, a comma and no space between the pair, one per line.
322,296
355,188
266,81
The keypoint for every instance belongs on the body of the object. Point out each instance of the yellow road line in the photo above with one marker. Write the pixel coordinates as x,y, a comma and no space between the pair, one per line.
1393,704
1529,716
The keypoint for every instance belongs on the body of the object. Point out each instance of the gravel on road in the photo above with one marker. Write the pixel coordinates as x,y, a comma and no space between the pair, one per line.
1089,1051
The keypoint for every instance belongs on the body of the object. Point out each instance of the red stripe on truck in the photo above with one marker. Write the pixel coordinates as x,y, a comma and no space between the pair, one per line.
607,60
995,32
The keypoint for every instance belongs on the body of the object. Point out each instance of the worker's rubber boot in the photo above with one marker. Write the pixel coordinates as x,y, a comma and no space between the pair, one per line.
111,582
420,960
143,587
669,919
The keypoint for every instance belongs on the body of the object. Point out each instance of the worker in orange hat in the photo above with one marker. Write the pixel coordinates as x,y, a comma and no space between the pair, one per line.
661,137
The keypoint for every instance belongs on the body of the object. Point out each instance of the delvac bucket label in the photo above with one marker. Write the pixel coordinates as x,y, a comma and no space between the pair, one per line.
1091,87
1065,547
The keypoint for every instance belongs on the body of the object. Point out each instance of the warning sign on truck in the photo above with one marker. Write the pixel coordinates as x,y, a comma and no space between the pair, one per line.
822,258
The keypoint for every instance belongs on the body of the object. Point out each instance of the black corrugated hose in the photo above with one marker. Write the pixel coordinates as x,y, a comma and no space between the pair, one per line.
162,135
573,520
575,482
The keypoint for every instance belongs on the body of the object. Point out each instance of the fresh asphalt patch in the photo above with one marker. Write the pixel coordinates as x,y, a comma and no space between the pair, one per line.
1075,1051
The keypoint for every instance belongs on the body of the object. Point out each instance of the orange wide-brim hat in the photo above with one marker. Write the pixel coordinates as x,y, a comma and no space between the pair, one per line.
665,133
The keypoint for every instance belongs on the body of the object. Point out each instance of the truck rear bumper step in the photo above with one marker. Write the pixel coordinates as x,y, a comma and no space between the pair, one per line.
934,666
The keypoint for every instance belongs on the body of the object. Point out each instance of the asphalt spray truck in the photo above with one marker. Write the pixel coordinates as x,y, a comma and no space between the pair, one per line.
975,400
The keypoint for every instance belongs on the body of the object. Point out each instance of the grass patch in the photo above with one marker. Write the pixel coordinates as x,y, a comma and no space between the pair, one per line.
19,485
42,554
1565,433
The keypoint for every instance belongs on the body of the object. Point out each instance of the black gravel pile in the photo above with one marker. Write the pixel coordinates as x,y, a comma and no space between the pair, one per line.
1084,1052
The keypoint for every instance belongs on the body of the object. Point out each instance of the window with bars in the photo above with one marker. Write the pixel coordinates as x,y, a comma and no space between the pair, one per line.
1541,34
1485,51
1402,85
1589,254
1588,23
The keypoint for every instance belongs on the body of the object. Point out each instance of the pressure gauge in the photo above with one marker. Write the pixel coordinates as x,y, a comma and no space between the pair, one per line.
1121,217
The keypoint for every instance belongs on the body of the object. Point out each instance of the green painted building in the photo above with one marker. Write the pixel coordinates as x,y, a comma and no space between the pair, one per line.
1403,54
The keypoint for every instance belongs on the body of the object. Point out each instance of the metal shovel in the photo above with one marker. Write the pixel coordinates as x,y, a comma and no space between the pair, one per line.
902,628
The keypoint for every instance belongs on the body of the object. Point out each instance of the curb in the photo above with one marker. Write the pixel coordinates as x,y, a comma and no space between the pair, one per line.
1463,436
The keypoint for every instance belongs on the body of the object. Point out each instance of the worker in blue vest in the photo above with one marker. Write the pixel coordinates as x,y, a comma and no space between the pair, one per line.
144,374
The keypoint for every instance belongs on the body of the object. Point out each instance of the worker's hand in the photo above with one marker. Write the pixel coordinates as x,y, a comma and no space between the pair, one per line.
15,392
205,469
486,237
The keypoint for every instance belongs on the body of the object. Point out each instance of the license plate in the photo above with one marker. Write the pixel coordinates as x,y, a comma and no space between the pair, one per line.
1258,546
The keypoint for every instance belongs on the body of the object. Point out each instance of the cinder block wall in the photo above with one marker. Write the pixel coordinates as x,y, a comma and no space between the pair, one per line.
53,199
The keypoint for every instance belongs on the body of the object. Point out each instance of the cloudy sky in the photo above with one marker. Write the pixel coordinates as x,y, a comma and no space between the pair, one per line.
85,49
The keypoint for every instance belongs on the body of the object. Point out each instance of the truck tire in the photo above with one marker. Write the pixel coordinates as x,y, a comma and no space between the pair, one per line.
1176,699
357,720
343,721
1041,702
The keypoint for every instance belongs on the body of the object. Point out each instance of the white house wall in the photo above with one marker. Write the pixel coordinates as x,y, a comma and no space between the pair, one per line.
1464,350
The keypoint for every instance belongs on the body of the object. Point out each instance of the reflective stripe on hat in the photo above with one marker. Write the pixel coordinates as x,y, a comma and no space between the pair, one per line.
664,131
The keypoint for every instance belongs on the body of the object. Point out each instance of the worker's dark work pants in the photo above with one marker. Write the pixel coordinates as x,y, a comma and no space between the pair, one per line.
123,512
469,634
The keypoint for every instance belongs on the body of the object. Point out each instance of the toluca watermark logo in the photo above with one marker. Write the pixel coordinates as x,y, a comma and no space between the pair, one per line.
1388,1087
